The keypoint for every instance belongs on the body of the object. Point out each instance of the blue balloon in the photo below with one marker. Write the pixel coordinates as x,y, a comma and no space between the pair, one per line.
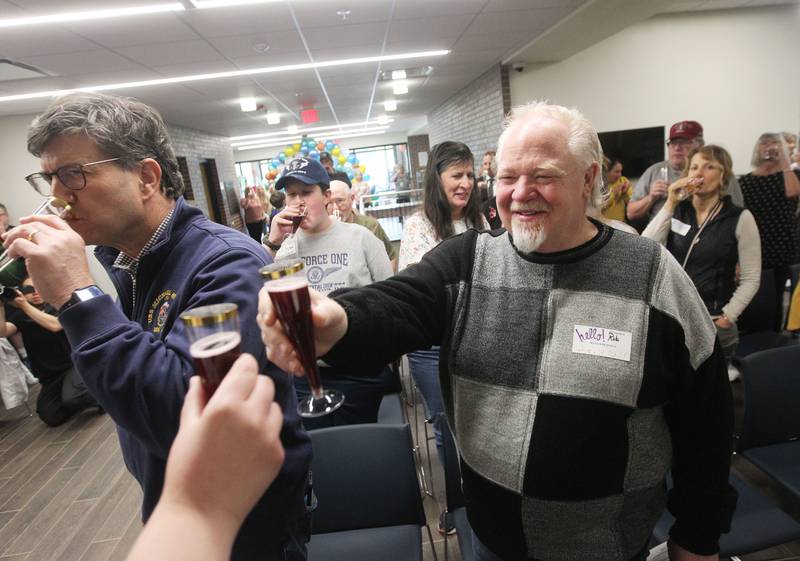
365,177
329,145
350,174
355,163
314,155
304,151
351,158
282,157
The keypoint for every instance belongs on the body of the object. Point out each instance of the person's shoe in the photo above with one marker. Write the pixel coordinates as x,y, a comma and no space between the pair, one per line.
445,525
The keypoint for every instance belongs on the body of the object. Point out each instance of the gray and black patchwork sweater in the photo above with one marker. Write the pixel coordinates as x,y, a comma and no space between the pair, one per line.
573,382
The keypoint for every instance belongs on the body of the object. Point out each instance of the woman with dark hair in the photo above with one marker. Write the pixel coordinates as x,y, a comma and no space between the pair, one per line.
770,193
708,234
448,207
451,205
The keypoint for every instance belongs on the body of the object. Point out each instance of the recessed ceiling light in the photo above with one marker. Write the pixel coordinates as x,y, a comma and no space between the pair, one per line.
292,129
344,14
93,14
219,75
261,48
248,104
273,118
398,74
390,105
400,87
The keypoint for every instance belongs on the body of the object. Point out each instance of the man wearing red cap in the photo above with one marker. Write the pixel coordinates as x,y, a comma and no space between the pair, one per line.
651,189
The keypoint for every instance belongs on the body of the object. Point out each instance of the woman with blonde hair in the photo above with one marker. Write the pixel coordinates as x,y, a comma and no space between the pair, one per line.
708,234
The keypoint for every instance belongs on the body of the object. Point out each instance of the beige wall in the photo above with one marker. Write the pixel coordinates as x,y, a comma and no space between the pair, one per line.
742,80
16,194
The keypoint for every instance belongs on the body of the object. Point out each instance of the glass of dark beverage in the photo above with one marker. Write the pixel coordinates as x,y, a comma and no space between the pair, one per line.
12,269
298,219
287,287
215,341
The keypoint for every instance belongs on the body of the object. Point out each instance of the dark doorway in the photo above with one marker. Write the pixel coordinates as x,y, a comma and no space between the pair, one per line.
208,172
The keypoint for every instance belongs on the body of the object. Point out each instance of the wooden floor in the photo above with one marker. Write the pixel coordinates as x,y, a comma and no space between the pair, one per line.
65,494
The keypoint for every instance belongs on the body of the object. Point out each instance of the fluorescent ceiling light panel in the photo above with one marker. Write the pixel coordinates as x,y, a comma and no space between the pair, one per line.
203,4
273,118
291,139
390,105
248,104
400,87
230,74
293,129
297,139
66,17
398,74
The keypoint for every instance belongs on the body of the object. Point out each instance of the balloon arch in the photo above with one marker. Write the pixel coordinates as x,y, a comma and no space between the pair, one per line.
342,161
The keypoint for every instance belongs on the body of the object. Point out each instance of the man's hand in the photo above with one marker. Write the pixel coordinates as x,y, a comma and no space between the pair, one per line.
19,301
228,449
282,224
55,256
658,190
677,553
330,325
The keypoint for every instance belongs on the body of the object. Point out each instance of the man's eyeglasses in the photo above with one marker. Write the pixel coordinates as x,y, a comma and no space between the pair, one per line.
27,289
71,176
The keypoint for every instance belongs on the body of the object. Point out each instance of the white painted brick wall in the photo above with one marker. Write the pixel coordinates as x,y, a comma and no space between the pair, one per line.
474,115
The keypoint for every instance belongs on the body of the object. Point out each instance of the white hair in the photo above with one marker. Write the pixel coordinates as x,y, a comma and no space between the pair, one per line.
582,140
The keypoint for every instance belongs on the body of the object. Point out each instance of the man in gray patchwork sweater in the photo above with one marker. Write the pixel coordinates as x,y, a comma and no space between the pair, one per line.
578,364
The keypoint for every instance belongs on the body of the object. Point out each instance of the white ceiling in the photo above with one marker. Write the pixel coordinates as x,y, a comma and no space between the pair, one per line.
479,33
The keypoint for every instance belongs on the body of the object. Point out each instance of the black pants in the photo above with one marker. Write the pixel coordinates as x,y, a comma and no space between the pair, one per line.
781,276
255,229
62,397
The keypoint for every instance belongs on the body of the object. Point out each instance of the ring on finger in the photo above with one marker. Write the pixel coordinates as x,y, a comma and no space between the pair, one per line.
32,234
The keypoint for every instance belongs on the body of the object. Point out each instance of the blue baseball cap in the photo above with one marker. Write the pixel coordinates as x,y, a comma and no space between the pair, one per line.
306,170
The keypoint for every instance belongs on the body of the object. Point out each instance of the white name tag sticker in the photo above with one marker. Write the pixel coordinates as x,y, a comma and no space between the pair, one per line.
600,341
680,228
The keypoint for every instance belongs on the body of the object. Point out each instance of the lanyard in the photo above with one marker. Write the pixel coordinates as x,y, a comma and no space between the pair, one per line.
709,218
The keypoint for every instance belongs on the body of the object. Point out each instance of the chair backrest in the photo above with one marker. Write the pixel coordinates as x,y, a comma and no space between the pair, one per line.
760,313
452,472
771,397
364,477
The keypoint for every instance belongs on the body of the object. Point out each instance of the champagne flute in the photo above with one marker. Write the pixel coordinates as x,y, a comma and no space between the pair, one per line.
288,290
12,269
215,341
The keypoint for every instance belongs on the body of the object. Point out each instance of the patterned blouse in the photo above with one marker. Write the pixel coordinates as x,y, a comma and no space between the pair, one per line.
419,238
765,197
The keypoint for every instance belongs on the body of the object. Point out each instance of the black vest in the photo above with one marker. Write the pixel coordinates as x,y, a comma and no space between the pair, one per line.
712,264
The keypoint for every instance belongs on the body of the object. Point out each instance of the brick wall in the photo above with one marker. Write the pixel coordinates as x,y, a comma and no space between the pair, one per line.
196,147
416,144
474,115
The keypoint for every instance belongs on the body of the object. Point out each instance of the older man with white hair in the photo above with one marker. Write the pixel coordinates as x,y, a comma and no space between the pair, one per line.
610,373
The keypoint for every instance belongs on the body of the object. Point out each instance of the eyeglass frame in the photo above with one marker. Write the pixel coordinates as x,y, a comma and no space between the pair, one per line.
48,176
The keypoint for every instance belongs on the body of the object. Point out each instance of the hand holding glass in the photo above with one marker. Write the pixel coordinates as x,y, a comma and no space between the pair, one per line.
288,291
12,269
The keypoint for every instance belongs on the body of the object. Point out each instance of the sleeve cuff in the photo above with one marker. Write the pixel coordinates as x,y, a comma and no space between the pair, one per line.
89,319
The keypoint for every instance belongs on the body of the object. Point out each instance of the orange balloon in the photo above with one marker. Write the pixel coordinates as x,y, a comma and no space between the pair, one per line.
320,146
273,173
